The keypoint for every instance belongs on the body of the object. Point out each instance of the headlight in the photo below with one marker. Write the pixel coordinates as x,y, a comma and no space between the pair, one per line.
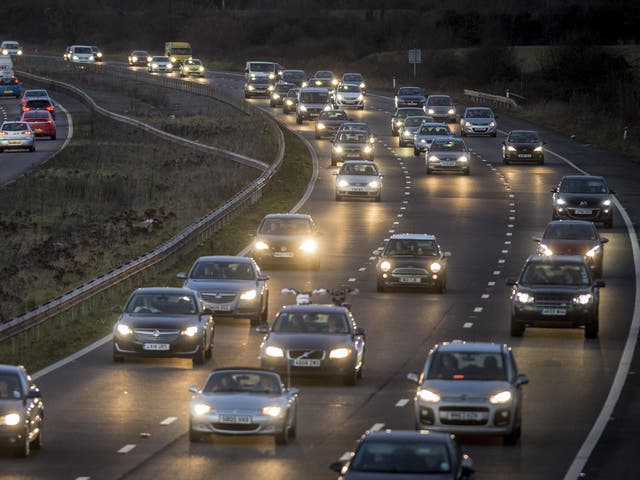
260,245
124,329
201,409
5,52
433,158
451,111
253,76
320,126
544,250
173,59
467,124
91,58
561,201
154,65
492,124
373,184
275,352
327,108
309,246
431,111
270,88
407,133
340,97
134,59
249,295
272,76
201,69
337,149
304,84
583,299
289,102
385,266
462,159
275,95
398,123
538,149
148,59
251,88
19,52
75,57
99,55
362,85
11,419
524,297
342,352
367,149
435,267
427,395
343,183
272,411
594,251
511,148
606,203
190,331
423,140
334,82
360,97
500,397
302,108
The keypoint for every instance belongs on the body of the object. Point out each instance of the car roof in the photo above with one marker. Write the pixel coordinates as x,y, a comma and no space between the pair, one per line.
224,258
582,177
460,346
314,90
288,215
408,435
5,368
433,124
359,162
81,46
559,259
159,290
571,222
438,96
413,236
243,369
315,307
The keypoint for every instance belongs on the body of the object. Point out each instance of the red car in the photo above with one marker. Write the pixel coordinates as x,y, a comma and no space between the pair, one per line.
41,122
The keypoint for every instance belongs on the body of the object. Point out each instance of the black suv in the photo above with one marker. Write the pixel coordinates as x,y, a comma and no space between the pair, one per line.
583,197
555,291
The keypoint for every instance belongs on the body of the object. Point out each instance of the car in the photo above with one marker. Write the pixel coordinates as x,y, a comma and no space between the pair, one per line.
276,99
478,121
10,47
290,101
583,197
139,58
34,93
409,97
523,146
164,322
351,146
440,107
555,291
397,119
41,122
360,179
323,78
16,136
348,96
446,155
573,237
81,54
39,103
191,67
311,101
287,238
97,53
355,80
349,126
159,63
230,286
259,86
296,77
413,260
243,401
426,133
21,411
67,54
470,388
405,454
409,128
329,122
314,340
9,86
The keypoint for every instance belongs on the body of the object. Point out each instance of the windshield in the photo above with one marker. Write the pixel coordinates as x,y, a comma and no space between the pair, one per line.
11,46
579,185
352,77
36,93
359,169
419,248
313,97
570,232
311,322
9,386
410,91
139,53
293,75
181,51
479,113
193,62
283,88
293,92
333,115
439,102
162,303
352,137
15,127
401,457
160,59
222,271
409,112
285,226
524,137
8,81
244,382
414,121
262,67
467,366
435,130
555,274
355,127
324,74
447,146
84,50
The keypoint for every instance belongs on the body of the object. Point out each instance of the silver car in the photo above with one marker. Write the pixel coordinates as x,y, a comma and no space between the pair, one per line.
16,135
447,155
409,129
230,286
348,96
358,179
470,388
427,133
243,401
478,121
160,64
440,107
355,79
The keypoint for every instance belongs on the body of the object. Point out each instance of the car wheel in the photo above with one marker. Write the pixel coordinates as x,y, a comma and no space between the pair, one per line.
283,437
378,197
517,329
401,144
541,162
554,216
462,133
194,436
361,108
53,137
467,172
117,357
208,353
317,137
379,286
37,442
24,449
394,133
334,162
494,134
591,329
513,437
608,223
338,198
442,286
505,161
350,379
416,152
298,120
429,171
32,149
200,356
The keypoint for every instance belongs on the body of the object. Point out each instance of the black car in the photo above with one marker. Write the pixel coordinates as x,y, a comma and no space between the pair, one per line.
164,322
139,58
583,197
555,291
314,340
279,93
40,104
409,97
290,101
21,411
329,122
412,260
397,120
287,238
296,77
258,87
523,146
405,454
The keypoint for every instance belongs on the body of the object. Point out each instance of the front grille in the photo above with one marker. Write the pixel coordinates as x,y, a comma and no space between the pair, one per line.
310,354
155,335
414,271
218,297
553,301
358,184
232,427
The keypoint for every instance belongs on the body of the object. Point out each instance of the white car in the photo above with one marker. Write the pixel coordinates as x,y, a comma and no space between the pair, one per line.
358,178
10,47
348,96
478,121
82,54
16,135
160,64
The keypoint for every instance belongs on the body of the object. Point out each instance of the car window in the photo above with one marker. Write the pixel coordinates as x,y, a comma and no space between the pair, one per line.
414,121
313,97
435,130
38,103
401,457
555,274
409,91
311,322
333,115
83,50
579,185
352,137
523,137
9,81
358,169
10,386
348,88
449,365
293,76
262,67
439,101
352,77
222,271
160,59
15,127
479,113
570,232
36,93
243,382
418,248
285,226
162,303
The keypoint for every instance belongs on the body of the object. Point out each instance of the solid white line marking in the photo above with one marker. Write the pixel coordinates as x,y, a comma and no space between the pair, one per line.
83,478
376,427
402,402
168,420
491,284
127,448
72,358
477,309
352,279
485,296
496,272
467,325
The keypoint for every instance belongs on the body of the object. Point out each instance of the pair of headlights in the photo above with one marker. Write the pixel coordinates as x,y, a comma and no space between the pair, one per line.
582,299
200,409
336,353
461,159
125,330
432,396
538,149
365,149
435,267
309,245
591,253
371,184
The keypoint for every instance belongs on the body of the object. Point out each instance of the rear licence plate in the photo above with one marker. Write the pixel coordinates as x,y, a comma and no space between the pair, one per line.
38,130
583,211
283,254
155,346
14,142
10,92
554,311
524,155
306,362
409,279
237,419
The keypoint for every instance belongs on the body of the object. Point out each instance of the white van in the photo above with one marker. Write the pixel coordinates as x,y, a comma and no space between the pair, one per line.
254,70
6,66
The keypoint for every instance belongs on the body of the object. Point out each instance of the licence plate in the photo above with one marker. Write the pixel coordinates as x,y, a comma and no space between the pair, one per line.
222,308
283,254
8,91
38,130
465,416
409,279
358,189
306,362
353,155
237,419
14,142
448,163
524,155
582,211
155,346
554,311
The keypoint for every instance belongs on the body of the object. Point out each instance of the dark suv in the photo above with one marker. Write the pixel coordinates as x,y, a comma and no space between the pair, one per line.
555,291
583,197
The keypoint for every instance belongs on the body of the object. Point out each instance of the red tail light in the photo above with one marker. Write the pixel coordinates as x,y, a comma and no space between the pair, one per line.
26,109
49,121
50,108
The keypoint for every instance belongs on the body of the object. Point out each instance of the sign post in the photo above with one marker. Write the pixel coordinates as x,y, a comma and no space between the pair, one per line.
415,57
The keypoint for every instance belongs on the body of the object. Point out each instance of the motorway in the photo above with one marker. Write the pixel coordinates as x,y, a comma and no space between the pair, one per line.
109,421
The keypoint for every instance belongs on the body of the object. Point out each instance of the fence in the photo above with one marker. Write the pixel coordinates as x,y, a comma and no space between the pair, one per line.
492,100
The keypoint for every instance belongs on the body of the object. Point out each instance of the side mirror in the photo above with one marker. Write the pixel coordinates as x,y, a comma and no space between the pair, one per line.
292,392
612,192
522,380
536,238
447,254
181,275
34,393
194,389
599,284
207,311
116,309
413,377
338,466
510,281
262,328
263,277
554,190
360,331
604,239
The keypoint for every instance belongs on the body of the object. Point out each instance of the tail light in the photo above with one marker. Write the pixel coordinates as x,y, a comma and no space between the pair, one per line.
49,121
26,132
50,108
2,132
26,109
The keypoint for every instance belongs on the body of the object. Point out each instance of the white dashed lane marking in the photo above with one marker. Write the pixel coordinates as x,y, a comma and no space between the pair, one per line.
402,402
467,325
496,272
376,427
477,309
127,448
491,284
485,296
168,420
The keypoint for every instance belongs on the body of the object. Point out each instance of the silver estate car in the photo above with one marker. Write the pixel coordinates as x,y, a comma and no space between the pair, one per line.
243,401
230,286
470,388
16,135
446,155
478,121
360,179
427,133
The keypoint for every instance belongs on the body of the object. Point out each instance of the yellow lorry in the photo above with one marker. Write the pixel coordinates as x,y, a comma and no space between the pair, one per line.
177,52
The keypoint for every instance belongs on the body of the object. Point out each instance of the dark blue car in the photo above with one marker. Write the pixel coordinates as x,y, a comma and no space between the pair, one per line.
10,86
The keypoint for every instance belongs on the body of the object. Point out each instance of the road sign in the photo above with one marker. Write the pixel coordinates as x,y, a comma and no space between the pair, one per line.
415,56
